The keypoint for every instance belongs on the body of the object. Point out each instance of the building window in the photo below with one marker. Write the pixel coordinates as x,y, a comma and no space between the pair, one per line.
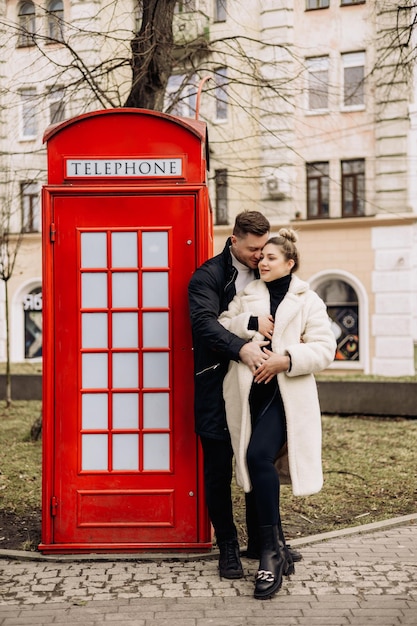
317,190
318,83
32,308
343,309
353,79
27,24
317,4
55,17
185,6
29,194
353,188
346,2
56,105
181,96
220,181
28,123
220,14
220,77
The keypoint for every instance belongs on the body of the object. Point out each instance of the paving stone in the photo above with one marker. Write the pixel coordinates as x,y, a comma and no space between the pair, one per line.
346,579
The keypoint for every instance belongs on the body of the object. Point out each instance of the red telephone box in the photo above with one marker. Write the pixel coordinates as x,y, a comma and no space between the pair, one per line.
126,220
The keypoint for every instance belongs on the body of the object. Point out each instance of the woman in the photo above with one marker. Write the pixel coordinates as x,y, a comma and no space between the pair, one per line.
273,412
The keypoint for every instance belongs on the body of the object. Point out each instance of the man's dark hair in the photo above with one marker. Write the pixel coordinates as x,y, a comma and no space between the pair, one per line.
250,222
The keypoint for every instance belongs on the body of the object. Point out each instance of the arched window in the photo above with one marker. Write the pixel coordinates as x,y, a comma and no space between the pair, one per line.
343,308
32,307
27,23
55,17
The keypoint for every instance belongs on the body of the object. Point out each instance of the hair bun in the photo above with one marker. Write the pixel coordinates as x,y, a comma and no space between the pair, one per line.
288,233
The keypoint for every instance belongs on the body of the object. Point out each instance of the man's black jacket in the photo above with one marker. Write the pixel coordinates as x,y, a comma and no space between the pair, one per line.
210,290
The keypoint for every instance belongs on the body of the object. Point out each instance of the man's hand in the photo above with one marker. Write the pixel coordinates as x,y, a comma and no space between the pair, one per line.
270,367
252,355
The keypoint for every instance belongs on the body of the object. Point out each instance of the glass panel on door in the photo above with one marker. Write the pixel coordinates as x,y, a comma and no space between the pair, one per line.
125,351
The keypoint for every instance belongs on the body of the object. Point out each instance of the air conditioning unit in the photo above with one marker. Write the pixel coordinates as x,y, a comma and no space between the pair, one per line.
273,188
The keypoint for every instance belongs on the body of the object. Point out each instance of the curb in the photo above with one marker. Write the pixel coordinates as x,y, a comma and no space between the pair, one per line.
23,555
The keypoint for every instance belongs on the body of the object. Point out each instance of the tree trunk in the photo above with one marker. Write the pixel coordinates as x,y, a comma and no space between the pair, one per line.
152,58
8,372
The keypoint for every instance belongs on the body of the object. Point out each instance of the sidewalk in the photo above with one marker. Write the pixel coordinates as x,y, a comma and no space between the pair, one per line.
353,577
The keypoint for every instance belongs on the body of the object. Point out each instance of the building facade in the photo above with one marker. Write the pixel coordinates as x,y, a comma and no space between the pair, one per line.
311,118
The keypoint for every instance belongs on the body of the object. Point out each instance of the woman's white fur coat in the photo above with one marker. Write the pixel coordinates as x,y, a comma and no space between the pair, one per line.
302,330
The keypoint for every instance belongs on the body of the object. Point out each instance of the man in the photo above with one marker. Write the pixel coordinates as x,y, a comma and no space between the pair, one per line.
212,287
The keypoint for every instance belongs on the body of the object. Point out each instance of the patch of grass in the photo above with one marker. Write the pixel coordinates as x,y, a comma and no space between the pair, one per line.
369,475
21,459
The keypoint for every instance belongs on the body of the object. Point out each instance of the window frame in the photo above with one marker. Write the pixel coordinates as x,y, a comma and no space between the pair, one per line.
353,60
322,189
220,10
344,313
221,195
32,311
358,185
185,6
56,101
55,21
322,5
30,207
315,66
363,363
27,23
187,88
347,3
28,114
221,95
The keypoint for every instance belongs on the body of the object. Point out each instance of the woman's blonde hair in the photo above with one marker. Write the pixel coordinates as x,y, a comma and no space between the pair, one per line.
286,240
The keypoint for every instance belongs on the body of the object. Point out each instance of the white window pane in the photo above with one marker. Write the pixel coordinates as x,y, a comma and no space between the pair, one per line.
125,452
94,371
124,250
94,330
154,249
155,289
94,452
353,59
125,410
125,370
156,451
94,411
155,330
156,410
155,370
125,290
125,330
93,250
94,291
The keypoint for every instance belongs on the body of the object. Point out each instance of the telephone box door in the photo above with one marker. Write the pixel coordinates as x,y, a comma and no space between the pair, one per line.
125,466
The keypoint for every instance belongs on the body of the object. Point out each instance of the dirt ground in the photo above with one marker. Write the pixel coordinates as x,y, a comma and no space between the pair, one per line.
20,532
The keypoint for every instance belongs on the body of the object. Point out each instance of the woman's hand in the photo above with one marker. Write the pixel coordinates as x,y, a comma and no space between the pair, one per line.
273,365
266,325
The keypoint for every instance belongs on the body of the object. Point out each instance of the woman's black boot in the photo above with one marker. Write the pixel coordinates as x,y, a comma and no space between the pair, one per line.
272,565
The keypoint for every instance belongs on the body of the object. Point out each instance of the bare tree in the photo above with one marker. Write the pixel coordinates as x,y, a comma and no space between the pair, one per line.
9,247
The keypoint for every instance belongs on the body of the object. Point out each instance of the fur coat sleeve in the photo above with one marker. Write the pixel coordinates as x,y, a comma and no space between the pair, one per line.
302,330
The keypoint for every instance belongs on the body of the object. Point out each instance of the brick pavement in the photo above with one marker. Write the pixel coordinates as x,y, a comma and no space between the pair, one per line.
354,577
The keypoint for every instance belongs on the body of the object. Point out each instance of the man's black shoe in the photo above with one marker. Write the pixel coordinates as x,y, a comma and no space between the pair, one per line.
230,565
